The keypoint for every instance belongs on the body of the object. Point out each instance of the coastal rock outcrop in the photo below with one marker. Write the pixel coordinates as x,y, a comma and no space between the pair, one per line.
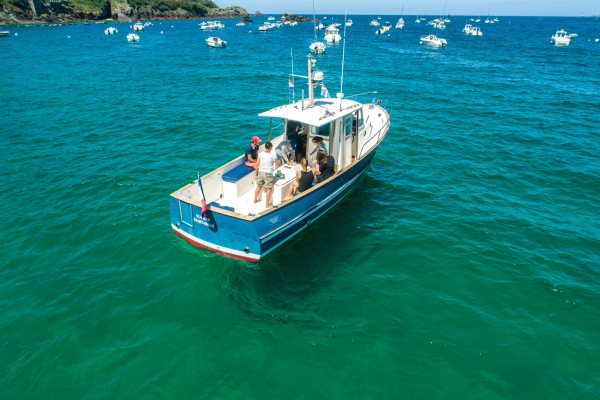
56,11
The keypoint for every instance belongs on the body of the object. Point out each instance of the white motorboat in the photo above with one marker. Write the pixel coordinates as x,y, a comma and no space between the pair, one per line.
374,23
473,31
332,34
111,30
561,38
384,28
437,23
226,211
214,41
4,33
267,27
349,22
317,47
467,29
432,41
400,23
132,37
211,25
138,26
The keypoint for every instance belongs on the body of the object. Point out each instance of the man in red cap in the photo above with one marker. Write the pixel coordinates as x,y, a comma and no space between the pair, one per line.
251,154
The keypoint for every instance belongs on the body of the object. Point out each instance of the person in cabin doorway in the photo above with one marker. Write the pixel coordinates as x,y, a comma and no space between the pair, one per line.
325,166
319,146
251,155
265,167
304,180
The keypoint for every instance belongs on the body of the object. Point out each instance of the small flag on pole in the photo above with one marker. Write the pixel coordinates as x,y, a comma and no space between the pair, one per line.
202,200
324,91
291,85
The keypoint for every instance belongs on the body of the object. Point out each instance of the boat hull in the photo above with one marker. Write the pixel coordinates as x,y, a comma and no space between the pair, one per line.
252,238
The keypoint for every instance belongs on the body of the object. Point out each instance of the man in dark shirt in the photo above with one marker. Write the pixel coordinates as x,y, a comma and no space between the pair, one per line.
251,155
326,166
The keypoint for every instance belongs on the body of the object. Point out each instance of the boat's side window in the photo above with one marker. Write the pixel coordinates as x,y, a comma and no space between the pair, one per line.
324,130
357,121
348,125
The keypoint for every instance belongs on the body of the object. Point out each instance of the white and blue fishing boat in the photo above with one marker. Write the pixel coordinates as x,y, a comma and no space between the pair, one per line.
218,211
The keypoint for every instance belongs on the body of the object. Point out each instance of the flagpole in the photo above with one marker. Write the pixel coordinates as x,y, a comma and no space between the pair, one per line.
201,192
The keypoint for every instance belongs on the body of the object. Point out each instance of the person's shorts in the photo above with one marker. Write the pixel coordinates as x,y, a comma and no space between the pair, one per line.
265,178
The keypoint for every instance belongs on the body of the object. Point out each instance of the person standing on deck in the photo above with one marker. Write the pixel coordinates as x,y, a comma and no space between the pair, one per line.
265,167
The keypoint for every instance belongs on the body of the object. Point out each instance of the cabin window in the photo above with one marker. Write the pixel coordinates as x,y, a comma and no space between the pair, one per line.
357,120
324,131
348,125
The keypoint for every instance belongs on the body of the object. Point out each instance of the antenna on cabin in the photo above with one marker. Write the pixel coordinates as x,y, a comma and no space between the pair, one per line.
292,77
340,95
311,90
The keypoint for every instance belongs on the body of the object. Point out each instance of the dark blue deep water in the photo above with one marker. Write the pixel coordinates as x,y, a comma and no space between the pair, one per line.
465,266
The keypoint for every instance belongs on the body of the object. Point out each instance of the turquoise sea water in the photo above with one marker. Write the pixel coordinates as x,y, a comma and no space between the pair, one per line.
466,265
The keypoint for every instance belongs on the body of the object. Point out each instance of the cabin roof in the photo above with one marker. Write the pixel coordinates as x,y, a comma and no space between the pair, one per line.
323,112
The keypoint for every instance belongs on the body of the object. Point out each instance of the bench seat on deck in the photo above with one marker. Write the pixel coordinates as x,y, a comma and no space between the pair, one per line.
237,173
238,181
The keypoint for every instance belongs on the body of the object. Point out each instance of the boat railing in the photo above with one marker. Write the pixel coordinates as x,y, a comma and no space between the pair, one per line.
355,96
275,128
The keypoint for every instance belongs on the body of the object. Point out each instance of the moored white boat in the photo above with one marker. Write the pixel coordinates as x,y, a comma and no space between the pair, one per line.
474,31
111,30
138,26
4,32
214,41
132,37
400,23
218,212
317,47
561,38
211,25
384,28
267,27
437,23
374,23
332,34
349,22
432,41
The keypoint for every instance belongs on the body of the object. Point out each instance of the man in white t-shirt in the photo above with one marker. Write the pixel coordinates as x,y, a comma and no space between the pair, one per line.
266,161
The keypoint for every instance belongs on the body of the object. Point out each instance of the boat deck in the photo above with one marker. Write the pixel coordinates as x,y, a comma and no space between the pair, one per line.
242,202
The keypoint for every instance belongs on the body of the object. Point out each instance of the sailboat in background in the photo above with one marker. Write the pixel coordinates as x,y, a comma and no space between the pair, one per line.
316,46
400,23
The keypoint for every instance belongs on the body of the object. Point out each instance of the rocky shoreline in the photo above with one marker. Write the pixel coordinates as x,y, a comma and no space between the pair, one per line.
127,13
